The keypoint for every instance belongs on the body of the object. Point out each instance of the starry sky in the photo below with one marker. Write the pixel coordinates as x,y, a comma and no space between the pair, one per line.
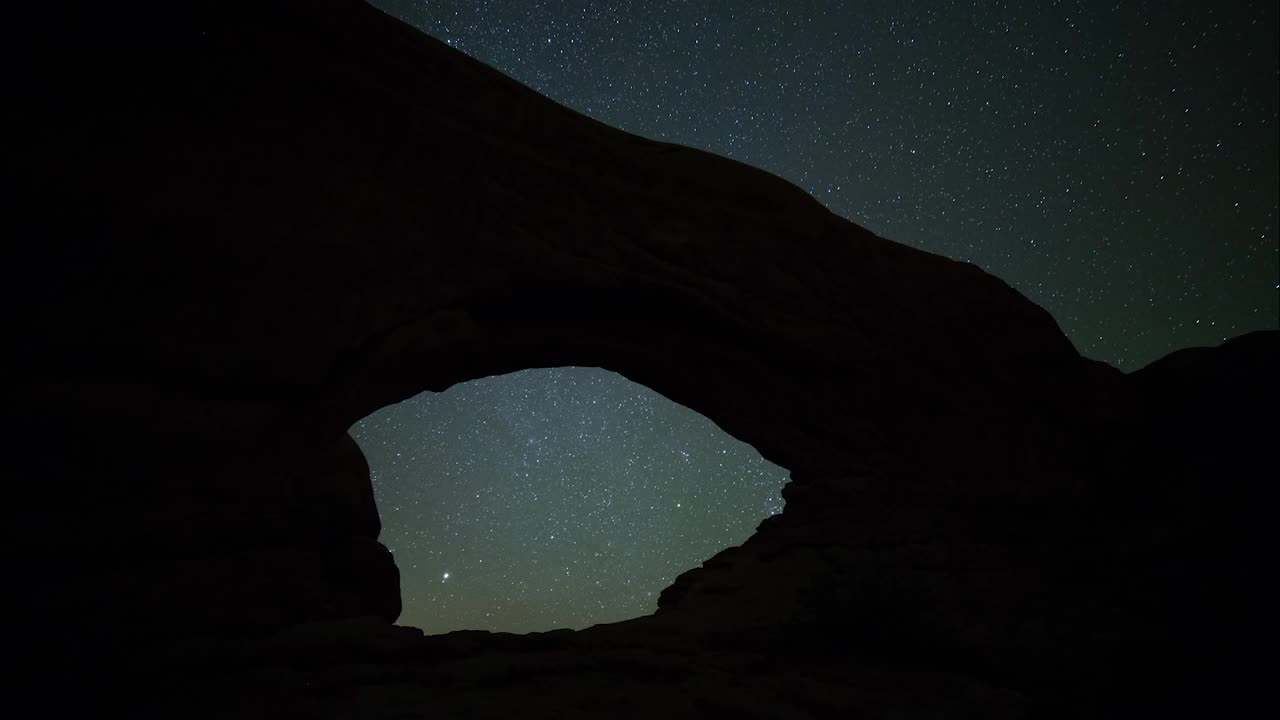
553,498
1114,161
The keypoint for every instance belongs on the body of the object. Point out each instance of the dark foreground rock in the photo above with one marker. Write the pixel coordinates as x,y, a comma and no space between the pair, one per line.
241,227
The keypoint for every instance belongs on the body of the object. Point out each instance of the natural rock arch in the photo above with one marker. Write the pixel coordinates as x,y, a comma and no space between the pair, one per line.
297,218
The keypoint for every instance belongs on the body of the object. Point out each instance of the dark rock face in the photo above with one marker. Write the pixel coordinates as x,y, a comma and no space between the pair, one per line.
244,226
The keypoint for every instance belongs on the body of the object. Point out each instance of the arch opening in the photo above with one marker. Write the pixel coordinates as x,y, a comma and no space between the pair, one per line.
553,498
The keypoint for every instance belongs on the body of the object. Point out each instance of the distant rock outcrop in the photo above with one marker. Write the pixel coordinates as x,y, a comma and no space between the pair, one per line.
242,227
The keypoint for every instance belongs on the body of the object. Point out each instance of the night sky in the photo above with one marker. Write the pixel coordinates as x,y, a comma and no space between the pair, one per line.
554,498
1116,162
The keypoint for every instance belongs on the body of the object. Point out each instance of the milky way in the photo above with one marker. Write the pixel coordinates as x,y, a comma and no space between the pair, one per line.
1115,162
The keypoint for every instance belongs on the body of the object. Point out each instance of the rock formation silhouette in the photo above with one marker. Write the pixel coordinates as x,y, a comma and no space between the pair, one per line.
241,227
